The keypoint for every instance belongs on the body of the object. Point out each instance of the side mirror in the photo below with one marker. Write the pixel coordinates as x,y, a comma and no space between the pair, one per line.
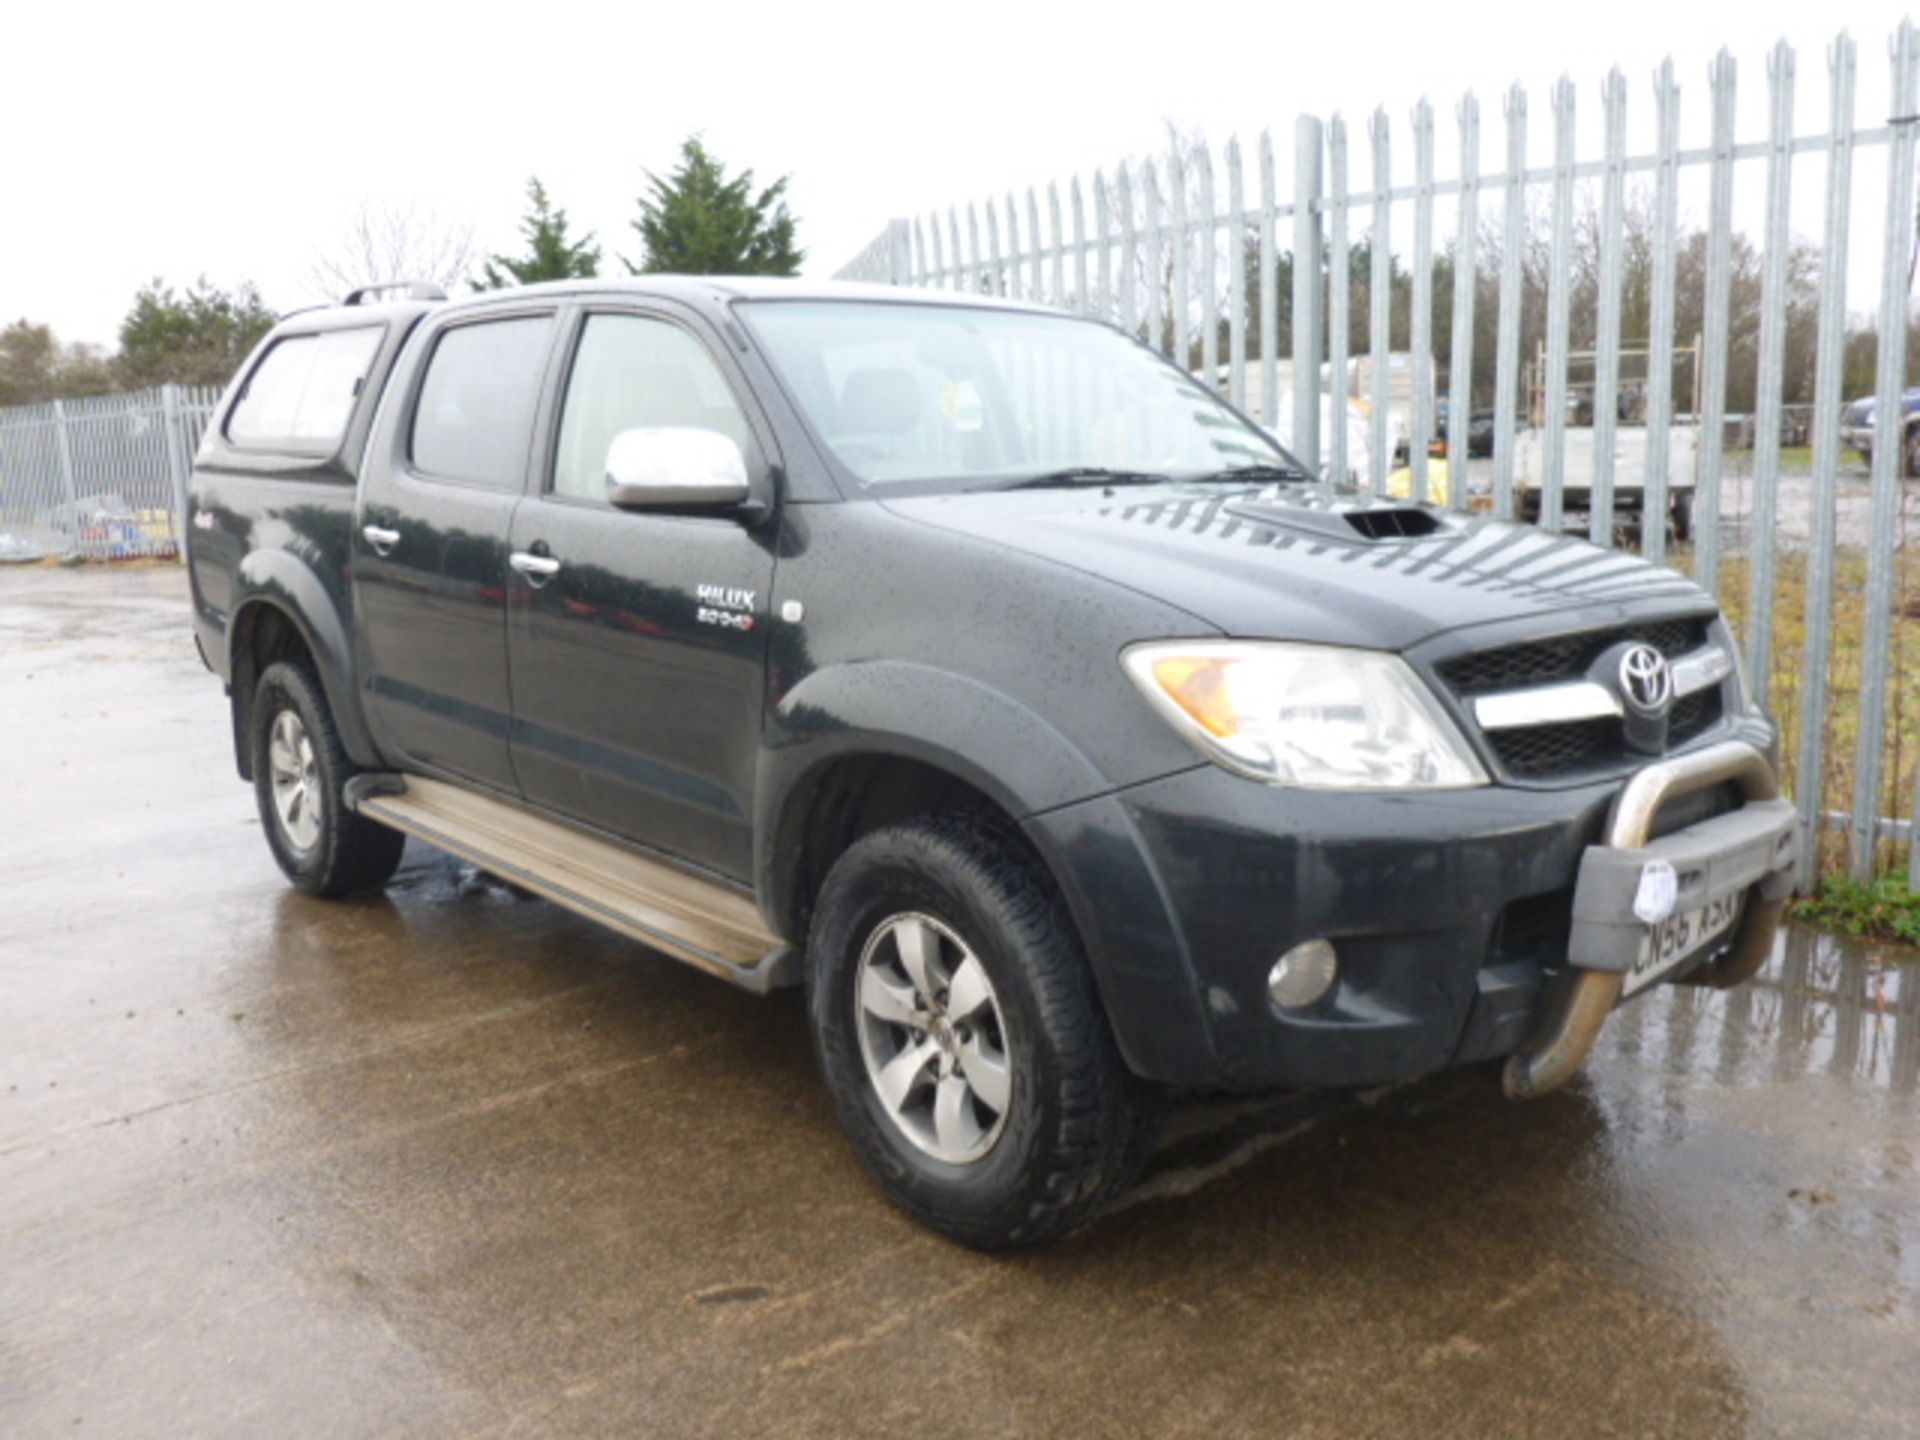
671,465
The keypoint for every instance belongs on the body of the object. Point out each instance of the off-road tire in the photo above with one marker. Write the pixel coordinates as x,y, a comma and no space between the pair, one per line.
351,853
1079,1125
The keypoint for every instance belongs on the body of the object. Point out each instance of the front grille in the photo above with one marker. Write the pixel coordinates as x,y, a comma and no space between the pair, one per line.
1556,749
1563,657
1693,715
1541,751
1579,747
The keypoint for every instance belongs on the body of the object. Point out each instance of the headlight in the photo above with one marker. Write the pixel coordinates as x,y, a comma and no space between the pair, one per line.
1315,716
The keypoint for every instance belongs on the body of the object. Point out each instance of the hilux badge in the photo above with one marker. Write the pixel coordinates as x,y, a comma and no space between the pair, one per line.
725,606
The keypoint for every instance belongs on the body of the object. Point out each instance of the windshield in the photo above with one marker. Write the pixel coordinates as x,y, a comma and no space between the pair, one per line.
934,397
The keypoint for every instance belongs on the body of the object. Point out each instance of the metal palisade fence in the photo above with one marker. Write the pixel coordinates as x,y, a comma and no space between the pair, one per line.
1586,257
103,478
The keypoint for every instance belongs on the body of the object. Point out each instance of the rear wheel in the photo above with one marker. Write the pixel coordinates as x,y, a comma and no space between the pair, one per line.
300,769
961,1037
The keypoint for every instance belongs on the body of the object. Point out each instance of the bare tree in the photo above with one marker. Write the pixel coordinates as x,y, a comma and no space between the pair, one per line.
386,243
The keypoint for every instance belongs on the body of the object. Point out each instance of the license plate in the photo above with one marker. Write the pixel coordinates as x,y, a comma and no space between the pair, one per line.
1667,946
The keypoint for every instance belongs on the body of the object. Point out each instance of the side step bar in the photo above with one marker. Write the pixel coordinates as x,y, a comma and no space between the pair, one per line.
702,922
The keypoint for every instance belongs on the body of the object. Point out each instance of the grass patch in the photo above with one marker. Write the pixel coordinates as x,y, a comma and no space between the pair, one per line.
1785,688
1883,909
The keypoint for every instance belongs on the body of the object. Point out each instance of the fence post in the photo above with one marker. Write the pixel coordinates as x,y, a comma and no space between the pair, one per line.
1507,339
899,253
1308,142
1890,383
178,465
63,456
1810,774
1380,308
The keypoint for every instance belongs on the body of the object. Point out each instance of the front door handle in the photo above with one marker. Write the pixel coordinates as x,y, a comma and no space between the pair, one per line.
382,540
537,568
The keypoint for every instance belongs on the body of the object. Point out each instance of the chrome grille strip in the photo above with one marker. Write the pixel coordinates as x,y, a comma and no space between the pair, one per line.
1571,700
1545,705
1701,669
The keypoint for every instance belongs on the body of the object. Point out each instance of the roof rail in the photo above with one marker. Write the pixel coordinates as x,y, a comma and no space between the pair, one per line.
415,290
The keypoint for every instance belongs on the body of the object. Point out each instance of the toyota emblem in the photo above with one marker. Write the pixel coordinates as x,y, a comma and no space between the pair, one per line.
1646,680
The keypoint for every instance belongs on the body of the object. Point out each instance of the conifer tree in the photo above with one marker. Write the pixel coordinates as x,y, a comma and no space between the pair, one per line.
551,253
699,221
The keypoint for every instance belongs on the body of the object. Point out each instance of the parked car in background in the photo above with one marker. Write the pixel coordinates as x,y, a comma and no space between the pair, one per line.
1479,431
85,516
1859,430
1401,394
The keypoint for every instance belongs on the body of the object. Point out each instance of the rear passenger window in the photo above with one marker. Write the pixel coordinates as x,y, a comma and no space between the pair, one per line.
476,404
301,394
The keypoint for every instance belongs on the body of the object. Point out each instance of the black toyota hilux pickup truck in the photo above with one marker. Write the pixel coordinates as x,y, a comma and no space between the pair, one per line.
979,671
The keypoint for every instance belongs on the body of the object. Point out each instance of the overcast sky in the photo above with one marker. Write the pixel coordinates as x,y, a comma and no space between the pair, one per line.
236,141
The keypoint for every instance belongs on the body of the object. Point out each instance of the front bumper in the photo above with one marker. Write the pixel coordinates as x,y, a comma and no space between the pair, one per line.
1750,851
1452,913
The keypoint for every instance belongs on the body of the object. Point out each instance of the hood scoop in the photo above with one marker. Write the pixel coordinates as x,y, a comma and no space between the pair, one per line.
1344,525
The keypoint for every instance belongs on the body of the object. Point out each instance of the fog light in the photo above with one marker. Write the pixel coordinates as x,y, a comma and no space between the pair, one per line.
1303,974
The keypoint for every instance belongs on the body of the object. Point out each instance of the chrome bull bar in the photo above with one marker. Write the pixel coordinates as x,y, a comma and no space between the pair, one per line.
1558,1050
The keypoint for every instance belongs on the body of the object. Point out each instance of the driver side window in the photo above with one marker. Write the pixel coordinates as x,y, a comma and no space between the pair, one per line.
630,373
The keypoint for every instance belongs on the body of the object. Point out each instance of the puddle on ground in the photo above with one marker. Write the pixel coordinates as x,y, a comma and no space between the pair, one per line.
1824,1005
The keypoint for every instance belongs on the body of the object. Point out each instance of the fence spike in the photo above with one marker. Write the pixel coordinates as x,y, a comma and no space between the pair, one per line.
1507,340
1466,285
1773,332
1889,375
1420,327
1339,304
1553,469
1653,502
1810,780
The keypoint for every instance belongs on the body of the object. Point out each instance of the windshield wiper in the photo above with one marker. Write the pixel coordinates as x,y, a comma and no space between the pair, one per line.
1084,475
1259,470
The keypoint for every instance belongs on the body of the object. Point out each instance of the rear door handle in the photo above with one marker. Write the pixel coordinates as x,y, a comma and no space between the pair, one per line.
382,540
535,567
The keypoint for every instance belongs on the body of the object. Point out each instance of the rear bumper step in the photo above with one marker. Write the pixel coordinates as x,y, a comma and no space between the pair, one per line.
701,922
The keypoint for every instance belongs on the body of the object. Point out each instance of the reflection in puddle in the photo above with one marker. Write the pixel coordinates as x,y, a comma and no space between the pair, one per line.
1823,1005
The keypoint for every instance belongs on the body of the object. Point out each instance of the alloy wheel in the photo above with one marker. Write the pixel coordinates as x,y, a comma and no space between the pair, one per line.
295,773
933,1038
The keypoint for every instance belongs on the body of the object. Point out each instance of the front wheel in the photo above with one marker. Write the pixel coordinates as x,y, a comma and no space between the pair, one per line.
300,770
961,1037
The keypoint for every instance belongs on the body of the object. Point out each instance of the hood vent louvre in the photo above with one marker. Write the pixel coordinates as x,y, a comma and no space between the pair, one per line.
1385,524
1338,523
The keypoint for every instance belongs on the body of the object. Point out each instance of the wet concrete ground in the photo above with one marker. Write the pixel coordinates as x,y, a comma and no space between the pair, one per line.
454,1163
